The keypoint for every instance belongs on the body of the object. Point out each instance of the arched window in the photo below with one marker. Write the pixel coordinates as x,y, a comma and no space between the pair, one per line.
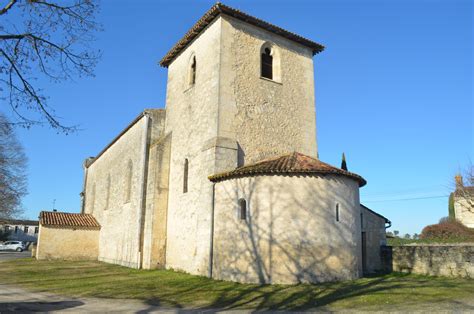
337,212
185,176
242,209
107,195
267,63
270,62
128,181
192,71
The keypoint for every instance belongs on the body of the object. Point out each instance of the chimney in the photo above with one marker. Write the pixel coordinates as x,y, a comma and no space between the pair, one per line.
458,179
55,210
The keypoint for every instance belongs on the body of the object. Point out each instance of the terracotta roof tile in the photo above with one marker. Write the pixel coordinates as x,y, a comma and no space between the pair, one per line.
220,8
465,191
294,163
59,219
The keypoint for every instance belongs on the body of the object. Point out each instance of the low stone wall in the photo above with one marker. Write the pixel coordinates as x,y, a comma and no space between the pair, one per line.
433,260
67,243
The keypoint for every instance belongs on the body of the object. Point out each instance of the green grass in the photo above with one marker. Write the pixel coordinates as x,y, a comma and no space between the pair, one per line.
168,288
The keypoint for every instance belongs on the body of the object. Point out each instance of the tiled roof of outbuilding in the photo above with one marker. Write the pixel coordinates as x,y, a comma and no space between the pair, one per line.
294,163
465,191
71,220
220,8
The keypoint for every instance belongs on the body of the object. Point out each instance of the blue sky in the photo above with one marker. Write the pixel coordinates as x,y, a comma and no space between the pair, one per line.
394,91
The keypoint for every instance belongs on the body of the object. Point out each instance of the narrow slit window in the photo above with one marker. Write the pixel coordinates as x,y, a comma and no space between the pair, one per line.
242,209
337,212
267,64
185,176
361,220
192,71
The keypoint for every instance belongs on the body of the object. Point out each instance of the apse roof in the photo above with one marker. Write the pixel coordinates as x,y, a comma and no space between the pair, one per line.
294,163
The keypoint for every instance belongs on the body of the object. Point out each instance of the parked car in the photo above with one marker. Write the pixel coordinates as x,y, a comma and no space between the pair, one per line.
18,246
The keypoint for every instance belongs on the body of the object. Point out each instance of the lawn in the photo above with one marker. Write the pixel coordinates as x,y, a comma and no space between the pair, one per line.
168,288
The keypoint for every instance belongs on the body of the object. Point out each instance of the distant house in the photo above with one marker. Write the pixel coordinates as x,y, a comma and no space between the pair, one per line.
20,230
464,203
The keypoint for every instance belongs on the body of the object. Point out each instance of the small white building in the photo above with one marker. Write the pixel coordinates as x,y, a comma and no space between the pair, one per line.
20,230
464,203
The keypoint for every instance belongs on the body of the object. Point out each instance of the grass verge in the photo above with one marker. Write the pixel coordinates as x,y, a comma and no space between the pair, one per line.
168,288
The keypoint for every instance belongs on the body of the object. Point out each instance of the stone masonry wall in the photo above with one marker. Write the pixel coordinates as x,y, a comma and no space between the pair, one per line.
291,233
374,228
154,233
118,240
441,260
266,117
106,192
67,244
191,119
229,117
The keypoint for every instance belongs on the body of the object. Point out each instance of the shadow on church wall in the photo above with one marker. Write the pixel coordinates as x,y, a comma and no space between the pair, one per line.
291,234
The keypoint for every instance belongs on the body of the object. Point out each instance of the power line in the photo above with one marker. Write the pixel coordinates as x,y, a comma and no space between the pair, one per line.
407,199
412,190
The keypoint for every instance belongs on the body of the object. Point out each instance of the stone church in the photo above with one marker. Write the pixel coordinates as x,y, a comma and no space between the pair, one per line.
225,181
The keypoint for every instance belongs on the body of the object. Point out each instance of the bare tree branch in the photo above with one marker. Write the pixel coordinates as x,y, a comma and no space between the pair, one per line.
51,40
7,7
12,171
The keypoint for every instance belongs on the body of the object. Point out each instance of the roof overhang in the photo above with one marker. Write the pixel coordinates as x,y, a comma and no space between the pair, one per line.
218,9
289,164
68,220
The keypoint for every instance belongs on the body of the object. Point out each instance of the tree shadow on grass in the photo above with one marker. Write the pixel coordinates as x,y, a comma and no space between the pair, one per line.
304,297
36,306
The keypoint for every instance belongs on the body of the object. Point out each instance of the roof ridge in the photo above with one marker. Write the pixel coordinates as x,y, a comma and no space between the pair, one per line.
219,8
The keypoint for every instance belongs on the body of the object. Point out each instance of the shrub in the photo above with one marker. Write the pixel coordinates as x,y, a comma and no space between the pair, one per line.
447,228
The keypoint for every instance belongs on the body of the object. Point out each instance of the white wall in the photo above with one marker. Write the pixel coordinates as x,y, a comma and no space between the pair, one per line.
464,211
191,118
291,234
